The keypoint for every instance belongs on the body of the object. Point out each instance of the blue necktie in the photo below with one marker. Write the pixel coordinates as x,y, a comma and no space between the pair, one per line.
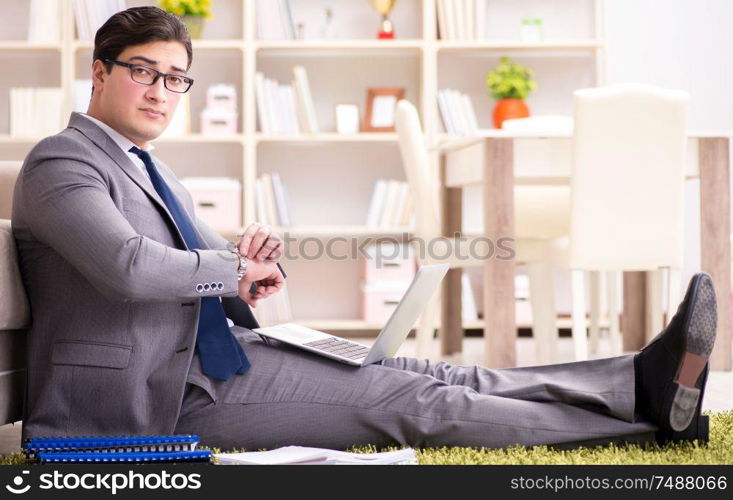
221,354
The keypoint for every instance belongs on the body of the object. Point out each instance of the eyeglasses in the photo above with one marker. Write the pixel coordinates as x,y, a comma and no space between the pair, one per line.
148,76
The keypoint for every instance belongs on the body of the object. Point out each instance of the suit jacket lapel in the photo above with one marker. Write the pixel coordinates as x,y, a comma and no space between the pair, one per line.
111,149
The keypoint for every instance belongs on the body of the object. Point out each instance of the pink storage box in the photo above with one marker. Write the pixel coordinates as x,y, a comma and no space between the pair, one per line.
379,301
218,122
391,263
217,201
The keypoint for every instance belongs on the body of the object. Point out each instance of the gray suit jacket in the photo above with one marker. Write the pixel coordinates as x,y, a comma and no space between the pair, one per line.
114,292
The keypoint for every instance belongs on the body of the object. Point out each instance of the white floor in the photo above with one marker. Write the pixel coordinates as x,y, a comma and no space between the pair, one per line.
718,395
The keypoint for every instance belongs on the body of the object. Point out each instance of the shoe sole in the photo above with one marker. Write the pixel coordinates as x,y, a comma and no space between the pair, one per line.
700,332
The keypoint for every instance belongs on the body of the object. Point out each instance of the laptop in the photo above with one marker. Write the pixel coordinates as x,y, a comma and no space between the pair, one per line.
391,337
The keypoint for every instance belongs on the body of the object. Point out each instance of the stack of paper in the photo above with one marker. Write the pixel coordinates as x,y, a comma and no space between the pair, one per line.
36,112
299,455
462,19
457,112
285,109
271,201
44,25
274,20
391,204
90,15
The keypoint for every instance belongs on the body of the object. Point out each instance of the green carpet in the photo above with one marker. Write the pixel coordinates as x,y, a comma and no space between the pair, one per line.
718,451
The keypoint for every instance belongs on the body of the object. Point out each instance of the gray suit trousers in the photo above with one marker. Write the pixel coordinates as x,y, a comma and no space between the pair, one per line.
292,397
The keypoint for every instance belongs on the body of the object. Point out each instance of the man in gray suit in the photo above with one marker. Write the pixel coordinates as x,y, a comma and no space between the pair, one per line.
124,284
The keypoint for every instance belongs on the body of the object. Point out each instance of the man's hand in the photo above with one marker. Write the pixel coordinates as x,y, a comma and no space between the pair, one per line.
260,242
265,275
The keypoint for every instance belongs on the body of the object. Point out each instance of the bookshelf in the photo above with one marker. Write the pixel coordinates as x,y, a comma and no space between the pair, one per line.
326,170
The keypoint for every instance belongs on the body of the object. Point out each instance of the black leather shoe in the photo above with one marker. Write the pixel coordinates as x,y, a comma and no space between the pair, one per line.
671,371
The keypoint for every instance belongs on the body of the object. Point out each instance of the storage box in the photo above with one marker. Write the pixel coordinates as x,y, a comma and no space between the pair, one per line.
217,201
221,96
380,300
218,122
388,262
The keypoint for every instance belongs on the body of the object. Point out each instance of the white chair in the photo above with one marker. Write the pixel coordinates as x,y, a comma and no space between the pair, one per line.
541,217
627,194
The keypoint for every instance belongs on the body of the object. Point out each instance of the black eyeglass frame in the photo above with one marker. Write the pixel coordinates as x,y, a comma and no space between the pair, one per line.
158,74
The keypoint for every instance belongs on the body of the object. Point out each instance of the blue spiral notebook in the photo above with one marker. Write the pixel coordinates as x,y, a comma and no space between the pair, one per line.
123,457
116,449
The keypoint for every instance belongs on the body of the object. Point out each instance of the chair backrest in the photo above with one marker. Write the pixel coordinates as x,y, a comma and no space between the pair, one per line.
628,178
14,320
8,174
417,163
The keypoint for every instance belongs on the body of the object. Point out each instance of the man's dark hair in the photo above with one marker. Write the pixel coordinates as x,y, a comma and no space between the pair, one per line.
136,26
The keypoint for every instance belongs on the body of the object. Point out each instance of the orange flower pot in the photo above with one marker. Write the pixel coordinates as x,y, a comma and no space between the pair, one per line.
507,109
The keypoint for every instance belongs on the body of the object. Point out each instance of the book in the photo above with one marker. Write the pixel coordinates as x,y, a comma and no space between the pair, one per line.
90,15
44,26
269,200
304,101
260,202
180,442
300,455
281,204
480,13
35,111
457,113
376,203
274,20
468,302
104,457
263,114
442,32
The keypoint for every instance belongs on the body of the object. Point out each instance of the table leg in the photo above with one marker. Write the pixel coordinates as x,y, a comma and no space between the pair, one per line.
633,318
451,324
500,331
714,155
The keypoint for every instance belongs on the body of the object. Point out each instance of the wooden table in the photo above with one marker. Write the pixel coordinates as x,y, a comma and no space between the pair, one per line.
529,157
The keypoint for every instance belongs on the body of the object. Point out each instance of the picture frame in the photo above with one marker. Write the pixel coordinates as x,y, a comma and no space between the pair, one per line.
380,108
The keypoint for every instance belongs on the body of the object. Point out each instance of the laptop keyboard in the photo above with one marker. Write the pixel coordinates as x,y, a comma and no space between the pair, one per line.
341,347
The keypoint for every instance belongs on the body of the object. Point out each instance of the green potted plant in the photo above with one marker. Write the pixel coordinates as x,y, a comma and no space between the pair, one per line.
509,84
193,13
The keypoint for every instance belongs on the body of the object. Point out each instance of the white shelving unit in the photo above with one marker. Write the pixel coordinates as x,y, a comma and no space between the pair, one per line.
329,176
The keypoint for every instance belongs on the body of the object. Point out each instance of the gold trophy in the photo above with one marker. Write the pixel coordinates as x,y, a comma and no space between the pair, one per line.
384,7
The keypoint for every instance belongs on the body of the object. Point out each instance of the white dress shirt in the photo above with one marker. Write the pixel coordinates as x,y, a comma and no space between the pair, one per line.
123,142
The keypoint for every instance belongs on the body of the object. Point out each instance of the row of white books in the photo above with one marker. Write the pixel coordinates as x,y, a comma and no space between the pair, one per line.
285,109
44,25
390,205
272,203
90,15
36,111
274,20
457,112
462,19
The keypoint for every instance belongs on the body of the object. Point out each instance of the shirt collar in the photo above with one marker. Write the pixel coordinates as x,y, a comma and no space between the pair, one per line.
123,142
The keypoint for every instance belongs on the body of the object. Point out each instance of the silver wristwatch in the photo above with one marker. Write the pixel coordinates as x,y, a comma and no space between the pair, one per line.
242,261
